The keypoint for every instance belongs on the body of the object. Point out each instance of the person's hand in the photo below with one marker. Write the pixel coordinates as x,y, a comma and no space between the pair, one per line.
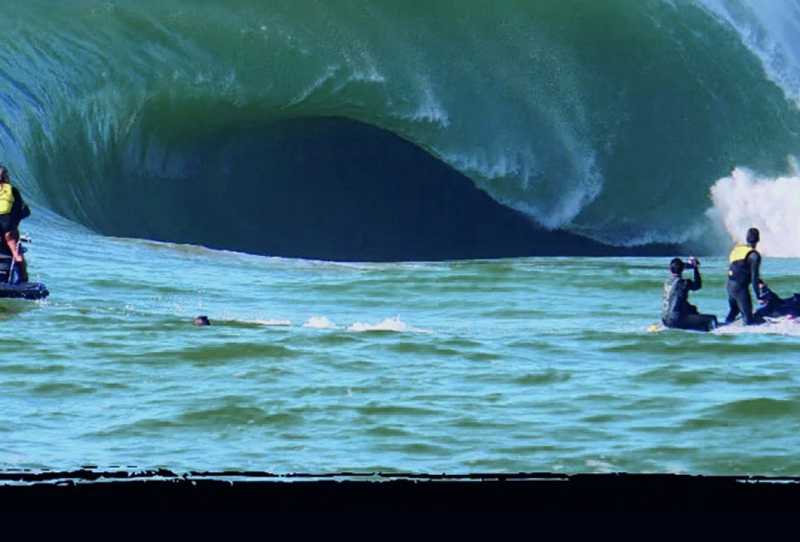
694,262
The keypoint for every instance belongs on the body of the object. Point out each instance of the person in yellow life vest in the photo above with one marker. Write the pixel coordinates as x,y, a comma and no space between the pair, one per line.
745,263
12,211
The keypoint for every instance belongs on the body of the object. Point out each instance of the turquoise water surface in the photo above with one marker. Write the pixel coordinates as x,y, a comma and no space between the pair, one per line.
505,366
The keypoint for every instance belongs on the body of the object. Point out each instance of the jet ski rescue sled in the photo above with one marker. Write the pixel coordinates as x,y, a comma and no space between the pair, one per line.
11,285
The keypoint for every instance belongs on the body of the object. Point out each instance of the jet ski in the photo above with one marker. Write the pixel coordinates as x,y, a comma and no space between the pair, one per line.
11,285
774,306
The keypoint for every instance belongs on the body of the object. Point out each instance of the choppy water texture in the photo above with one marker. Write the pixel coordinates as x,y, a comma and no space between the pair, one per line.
508,365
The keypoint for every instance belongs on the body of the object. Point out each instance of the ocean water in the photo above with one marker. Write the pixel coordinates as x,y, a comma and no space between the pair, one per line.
519,177
510,365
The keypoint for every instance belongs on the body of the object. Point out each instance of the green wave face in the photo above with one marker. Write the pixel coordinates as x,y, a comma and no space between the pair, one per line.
607,119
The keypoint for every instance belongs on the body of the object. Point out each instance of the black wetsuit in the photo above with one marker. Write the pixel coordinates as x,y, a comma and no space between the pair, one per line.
677,312
743,274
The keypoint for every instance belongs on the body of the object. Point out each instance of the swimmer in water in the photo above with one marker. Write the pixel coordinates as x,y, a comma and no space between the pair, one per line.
201,320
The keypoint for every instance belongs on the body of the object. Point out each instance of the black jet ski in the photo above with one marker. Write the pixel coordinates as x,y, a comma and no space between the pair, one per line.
774,306
11,285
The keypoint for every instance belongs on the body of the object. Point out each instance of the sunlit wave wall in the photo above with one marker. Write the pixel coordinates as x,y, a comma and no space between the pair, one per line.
398,130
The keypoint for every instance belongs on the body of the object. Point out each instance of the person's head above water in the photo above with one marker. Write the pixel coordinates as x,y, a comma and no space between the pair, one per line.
3,174
753,236
201,320
676,266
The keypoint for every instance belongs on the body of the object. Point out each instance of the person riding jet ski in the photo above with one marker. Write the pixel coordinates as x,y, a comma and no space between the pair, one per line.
745,263
12,210
11,283
13,268
676,311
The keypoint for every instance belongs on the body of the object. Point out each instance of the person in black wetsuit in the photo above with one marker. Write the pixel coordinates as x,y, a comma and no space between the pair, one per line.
745,263
676,311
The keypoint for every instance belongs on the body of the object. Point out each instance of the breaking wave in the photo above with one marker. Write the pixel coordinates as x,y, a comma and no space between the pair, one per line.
745,199
385,130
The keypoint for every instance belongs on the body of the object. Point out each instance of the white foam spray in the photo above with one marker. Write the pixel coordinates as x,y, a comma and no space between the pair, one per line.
774,326
778,326
745,199
270,323
319,322
389,324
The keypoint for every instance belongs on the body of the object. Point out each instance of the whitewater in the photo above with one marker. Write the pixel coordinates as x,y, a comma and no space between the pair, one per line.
428,239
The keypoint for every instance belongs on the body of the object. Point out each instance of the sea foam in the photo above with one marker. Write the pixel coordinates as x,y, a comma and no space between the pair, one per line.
319,322
389,324
745,199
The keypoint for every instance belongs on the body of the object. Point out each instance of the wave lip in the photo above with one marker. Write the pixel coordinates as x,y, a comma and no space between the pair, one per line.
770,30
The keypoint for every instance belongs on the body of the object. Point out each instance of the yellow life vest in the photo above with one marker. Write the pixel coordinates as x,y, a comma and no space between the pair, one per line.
6,198
739,269
740,252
